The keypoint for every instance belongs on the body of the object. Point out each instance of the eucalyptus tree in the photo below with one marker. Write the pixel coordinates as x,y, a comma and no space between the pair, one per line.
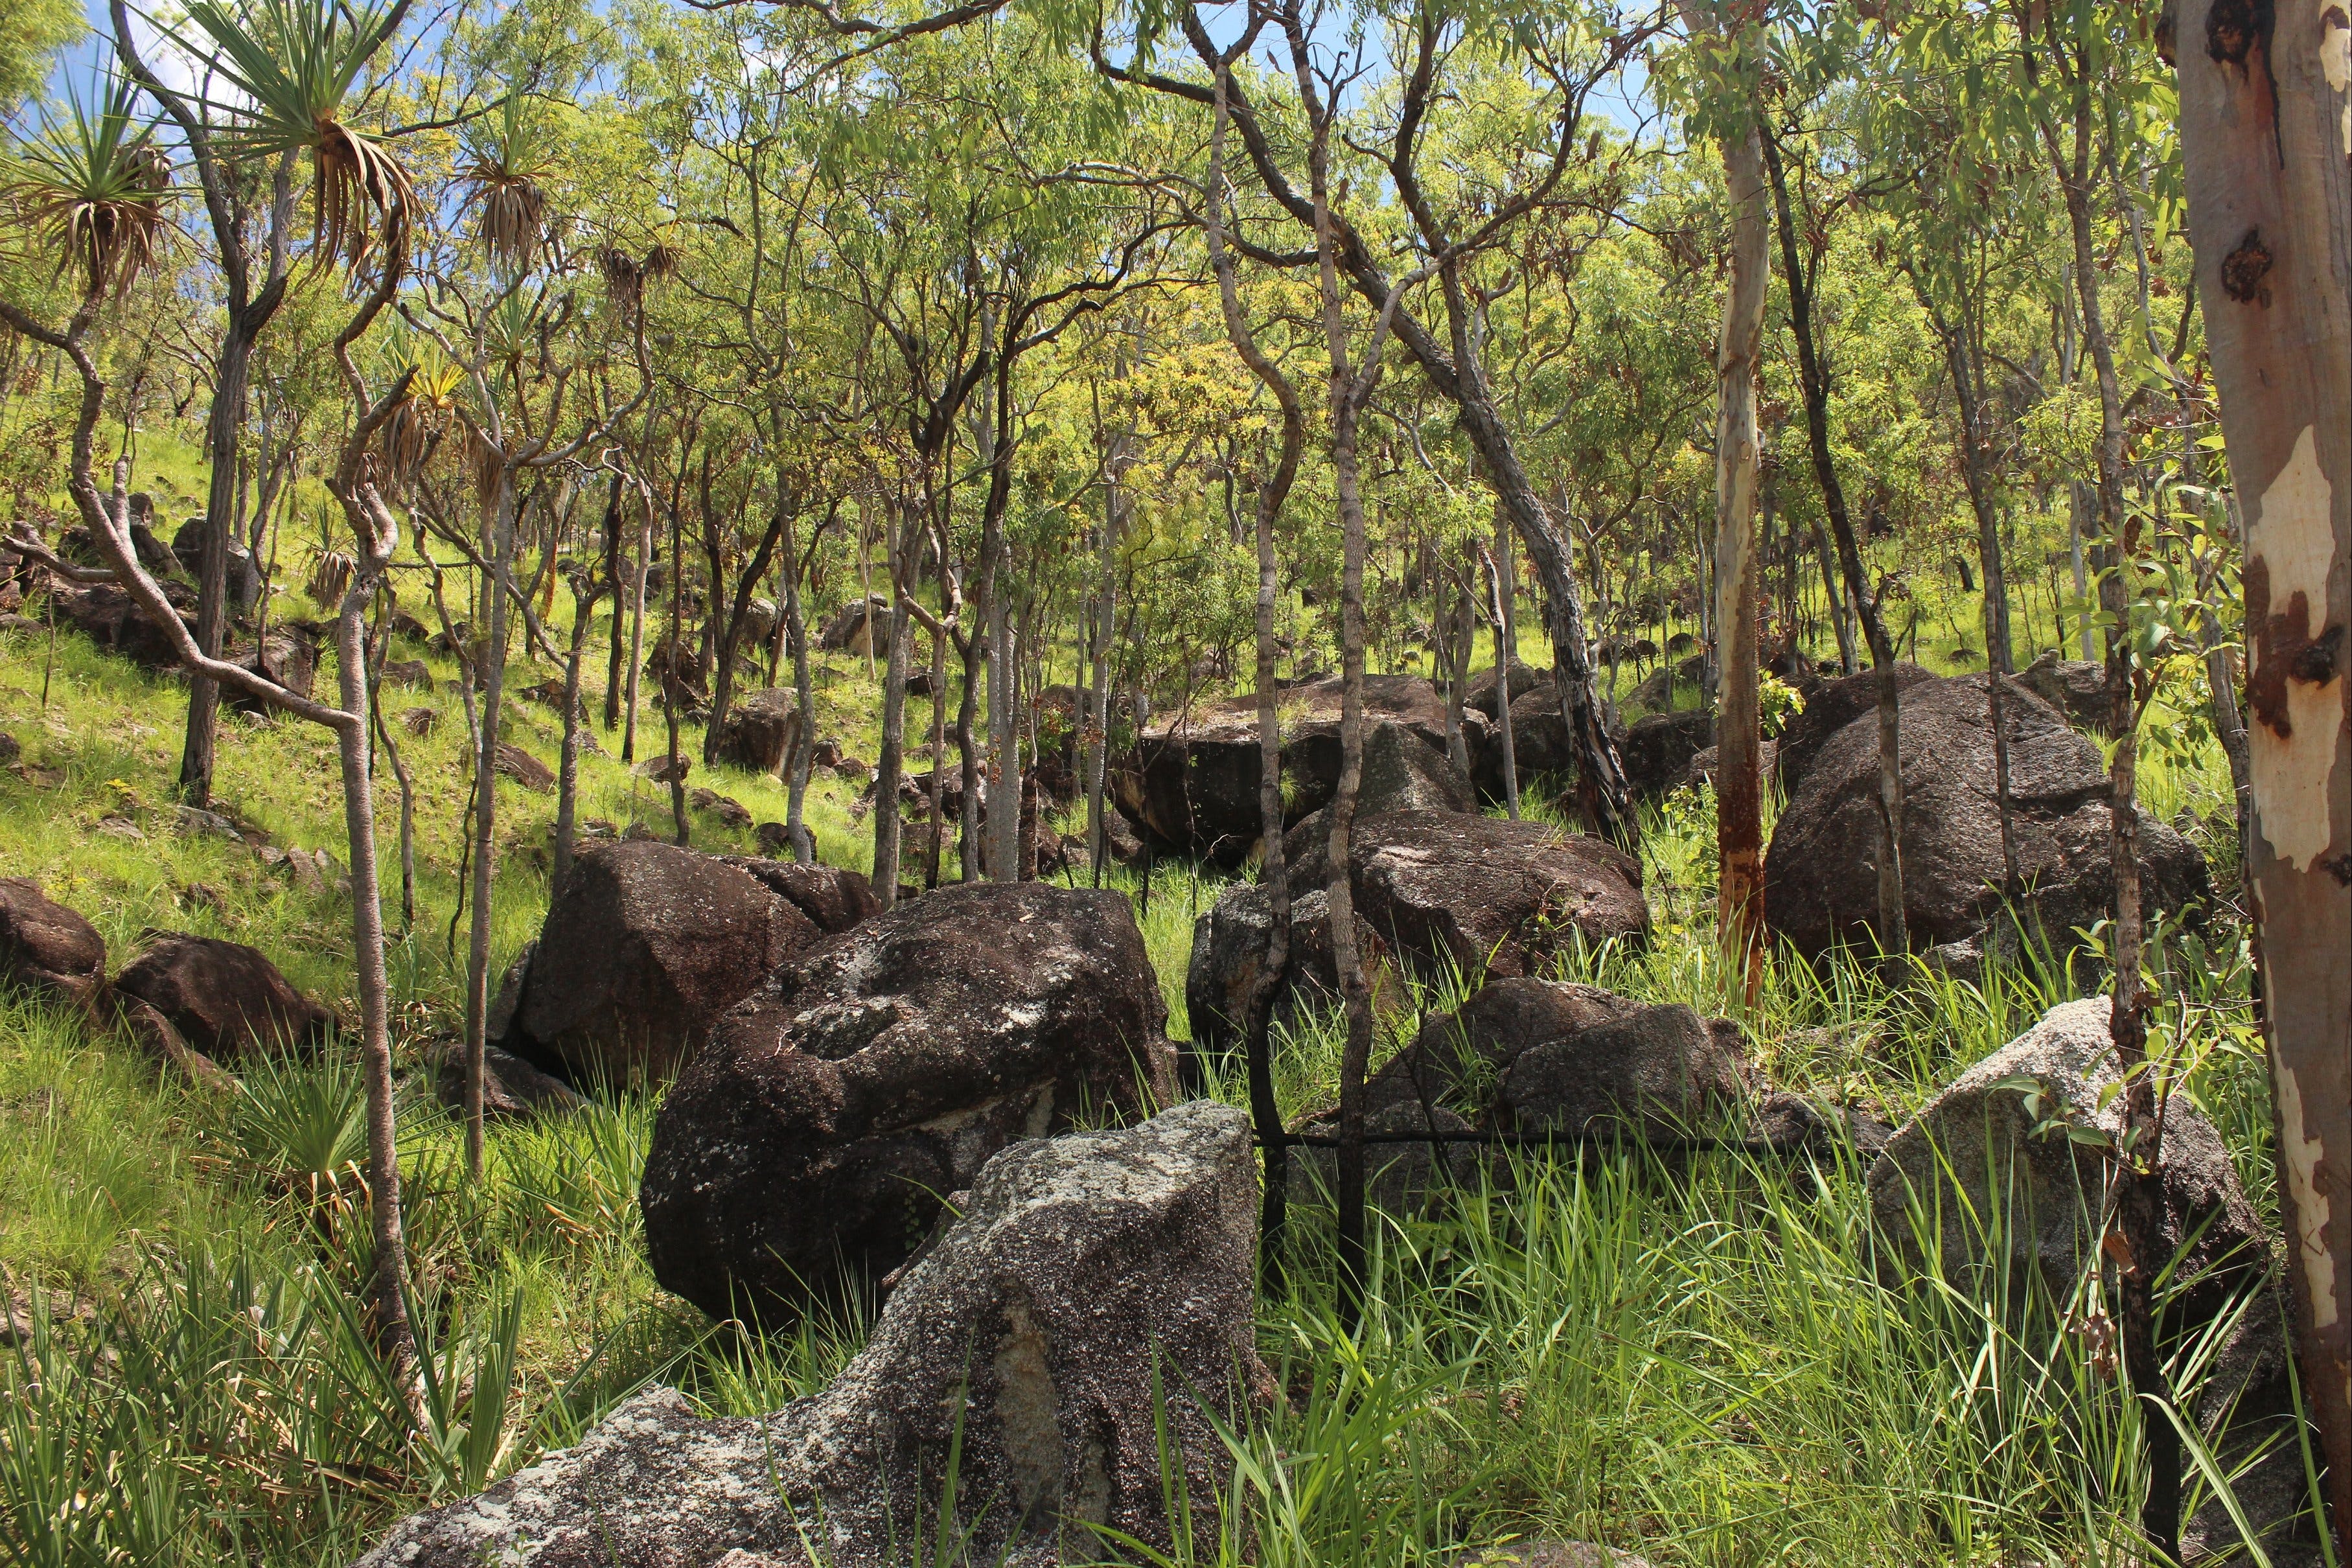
1812,58
282,68
99,188
1727,104
506,318
1561,56
2265,127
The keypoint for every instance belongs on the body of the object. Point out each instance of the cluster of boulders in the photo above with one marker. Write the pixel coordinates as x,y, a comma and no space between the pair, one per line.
192,1001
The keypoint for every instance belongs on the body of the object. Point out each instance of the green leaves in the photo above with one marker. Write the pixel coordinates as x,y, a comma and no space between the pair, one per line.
96,180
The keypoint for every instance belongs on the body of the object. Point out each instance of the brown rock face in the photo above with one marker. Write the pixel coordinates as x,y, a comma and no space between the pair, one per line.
1192,784
644,947
224,997
833,899
1483,894
45,946
1658,751
808,1149
759,730
1829,708
1820,873
1082,1274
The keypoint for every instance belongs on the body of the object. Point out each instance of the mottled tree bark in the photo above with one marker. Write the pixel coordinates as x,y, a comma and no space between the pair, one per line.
2265,130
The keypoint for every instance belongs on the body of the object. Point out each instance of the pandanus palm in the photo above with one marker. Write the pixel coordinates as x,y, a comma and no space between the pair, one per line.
505,165
94,182
292,66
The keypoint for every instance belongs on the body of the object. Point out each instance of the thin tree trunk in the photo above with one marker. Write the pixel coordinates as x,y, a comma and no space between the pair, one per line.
567,773
1894,926
891,767
935,793
1098,736
2262,128
408,804
805,694
1974,444
1507,644
2142,1198
1739,774
499,546
1265,1110
637,621
674,691
222,426
391,1305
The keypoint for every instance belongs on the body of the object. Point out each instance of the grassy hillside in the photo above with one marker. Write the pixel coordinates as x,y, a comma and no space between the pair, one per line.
1691,1355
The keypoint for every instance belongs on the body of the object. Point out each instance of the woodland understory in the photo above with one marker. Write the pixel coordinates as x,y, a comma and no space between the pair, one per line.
434,440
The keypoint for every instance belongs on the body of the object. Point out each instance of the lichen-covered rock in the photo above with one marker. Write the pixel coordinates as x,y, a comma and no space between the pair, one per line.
1820,871
644,946
224,997
1970,1160
45,946
1452,892
808,1149
1660,1071
1085,1275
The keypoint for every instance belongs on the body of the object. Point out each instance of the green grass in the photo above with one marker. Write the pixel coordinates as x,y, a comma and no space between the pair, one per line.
1695,1356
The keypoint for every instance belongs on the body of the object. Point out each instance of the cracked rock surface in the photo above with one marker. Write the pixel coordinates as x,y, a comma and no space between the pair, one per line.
1082,1272
806,1151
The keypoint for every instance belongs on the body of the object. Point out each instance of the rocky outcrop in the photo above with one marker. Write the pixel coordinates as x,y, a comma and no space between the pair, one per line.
861,627
1970,1176
1479,694
1534,1056
222,997
811,1143
1658,751
2075,686
285,654
644,946
833,899
1832,706
1192,784
1082,1277
759,730
1821,872
47,947
1479,894
1662,1072
1229,947
512,1089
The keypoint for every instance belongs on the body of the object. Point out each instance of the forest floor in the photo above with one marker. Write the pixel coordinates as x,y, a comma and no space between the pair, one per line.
1692,1356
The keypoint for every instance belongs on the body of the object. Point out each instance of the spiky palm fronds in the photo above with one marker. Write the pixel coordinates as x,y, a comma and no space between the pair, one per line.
504,168
97,182
293,64
331,578
626,278
406,436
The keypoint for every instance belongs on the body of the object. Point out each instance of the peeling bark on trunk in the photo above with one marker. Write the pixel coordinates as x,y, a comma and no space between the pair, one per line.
1739,774
2265,130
